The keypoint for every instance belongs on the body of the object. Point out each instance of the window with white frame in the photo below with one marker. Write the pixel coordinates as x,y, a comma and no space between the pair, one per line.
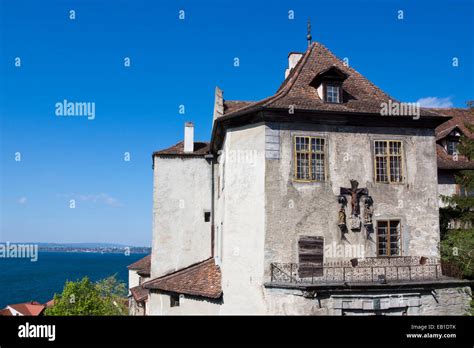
333,93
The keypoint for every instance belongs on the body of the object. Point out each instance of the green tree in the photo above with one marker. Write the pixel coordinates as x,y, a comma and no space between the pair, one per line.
83,297
457,245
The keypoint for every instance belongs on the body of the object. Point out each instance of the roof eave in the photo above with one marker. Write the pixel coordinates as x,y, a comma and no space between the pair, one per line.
262,113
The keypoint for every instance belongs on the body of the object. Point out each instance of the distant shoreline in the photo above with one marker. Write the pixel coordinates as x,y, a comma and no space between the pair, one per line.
100,248
133,250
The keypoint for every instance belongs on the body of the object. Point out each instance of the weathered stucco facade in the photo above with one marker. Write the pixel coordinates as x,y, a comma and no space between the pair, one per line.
300,208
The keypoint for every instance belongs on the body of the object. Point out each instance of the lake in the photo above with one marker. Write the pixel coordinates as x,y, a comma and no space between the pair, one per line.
22,280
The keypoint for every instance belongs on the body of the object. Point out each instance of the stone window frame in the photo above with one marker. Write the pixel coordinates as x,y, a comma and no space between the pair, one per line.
403,160
294,159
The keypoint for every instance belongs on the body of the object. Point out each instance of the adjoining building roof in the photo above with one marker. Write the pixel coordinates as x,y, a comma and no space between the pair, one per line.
360,95
200,149
5,312
142,266
139,293
447,162
201,279
460,117
32,308
50,303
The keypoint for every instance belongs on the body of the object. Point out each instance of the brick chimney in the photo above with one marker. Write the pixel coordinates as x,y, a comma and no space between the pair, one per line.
189,137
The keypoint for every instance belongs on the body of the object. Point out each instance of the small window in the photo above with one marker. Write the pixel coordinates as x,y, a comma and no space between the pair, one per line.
309,158
333,93
388,161
207,216
388,238
451,147
174,301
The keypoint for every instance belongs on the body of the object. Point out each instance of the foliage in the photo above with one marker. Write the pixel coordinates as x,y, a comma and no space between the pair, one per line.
83,297
457,248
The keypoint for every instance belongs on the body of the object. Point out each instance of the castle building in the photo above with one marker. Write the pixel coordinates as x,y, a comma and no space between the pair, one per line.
321,199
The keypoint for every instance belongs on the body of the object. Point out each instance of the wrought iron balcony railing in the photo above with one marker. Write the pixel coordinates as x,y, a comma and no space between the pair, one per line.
367,270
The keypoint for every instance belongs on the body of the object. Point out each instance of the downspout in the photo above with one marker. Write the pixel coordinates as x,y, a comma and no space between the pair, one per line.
210,158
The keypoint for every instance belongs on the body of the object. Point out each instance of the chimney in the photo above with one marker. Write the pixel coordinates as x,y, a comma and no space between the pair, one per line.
293,59
189,137
218,103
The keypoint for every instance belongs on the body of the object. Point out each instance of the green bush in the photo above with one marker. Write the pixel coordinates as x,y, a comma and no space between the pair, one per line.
83,297
457,248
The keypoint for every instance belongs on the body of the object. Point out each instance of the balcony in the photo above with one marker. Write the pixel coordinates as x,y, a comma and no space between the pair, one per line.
368,270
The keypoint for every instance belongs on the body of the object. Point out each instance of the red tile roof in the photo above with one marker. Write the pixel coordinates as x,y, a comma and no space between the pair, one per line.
5,312
234,105
201,279
139,293
50,303
32,308
447,162
460,117
200,150
360,95
142,266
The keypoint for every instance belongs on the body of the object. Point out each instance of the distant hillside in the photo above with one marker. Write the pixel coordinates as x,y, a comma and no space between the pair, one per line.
88,247
83,245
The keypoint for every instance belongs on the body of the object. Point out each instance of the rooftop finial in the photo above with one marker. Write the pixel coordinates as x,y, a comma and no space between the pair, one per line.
308,37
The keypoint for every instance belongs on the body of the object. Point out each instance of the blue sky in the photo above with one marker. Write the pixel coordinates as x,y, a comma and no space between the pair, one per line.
178,62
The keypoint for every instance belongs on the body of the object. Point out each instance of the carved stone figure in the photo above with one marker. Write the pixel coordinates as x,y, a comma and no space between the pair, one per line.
342,216
368,210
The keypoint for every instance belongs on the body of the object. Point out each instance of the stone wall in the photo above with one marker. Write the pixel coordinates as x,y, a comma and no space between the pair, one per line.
440,300
447,301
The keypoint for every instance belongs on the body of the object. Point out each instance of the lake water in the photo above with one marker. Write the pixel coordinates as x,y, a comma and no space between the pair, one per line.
22,280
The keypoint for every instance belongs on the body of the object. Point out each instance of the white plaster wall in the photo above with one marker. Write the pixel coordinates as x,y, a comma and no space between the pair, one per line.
181,195
240,218
133,279
159,304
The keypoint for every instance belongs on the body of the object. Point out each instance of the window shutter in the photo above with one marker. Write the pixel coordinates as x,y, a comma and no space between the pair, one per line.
310,252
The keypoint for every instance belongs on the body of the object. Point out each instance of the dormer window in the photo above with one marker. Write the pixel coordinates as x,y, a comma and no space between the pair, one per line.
333,93
329,84
451,147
